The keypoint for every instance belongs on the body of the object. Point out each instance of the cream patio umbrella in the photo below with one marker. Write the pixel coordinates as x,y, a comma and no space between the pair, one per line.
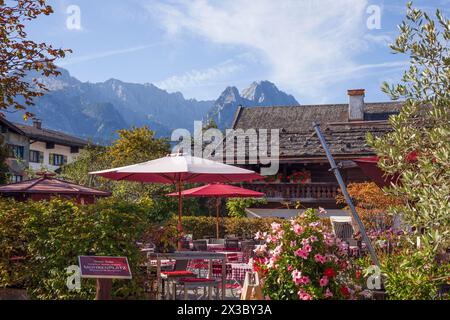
179,169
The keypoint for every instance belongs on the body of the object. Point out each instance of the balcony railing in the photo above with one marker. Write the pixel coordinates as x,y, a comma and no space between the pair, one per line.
308,192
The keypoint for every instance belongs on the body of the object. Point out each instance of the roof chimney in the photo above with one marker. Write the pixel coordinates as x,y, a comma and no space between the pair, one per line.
355,104
37,123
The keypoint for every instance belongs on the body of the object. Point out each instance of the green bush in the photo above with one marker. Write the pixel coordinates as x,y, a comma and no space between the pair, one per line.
206,226
236,206
51,235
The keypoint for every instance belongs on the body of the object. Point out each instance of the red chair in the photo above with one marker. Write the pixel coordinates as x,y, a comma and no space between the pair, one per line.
179,271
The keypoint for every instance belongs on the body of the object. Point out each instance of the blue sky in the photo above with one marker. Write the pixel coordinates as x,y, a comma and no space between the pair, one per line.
313,49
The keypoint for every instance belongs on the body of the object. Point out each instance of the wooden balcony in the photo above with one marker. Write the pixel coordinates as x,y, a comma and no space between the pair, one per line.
308,192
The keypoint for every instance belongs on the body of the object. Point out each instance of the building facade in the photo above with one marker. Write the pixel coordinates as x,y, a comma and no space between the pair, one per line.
18,145
304,174
37,148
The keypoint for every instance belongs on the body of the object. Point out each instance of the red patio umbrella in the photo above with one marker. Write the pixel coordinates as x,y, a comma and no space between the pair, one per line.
219,191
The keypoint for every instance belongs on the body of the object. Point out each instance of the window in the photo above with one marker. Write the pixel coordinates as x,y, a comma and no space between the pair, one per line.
16,178
16,151
74,149
36,156
57,159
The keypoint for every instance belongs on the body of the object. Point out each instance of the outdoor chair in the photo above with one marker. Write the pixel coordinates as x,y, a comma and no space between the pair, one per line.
179,271
343,230
208,238
247,248
217,241
195,283
185,244
200,245
231,244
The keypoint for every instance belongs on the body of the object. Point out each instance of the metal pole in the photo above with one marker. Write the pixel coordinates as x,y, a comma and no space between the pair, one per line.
180,210
341,182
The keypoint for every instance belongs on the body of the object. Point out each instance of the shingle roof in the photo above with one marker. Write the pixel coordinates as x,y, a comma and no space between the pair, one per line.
10,125
299,118
298,139
47,135
48,184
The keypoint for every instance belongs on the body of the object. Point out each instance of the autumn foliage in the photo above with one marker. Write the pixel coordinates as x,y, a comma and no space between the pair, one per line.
20,56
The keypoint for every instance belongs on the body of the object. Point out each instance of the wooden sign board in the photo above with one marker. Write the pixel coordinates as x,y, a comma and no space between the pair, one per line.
103,267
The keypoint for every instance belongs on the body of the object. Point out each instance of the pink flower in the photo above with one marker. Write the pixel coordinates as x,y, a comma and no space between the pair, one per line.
290,268
307,248
271,238
313,239
305,241
293,243
319,258
322,210
328,293
260,249
314,224
275,227
303,295
297,229
296,276
323,281
301,253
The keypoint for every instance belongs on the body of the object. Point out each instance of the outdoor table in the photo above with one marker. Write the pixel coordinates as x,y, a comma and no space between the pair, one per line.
238,271
215,246
228,254
190,255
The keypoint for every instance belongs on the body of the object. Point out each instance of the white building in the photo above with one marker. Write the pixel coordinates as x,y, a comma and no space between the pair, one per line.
50,149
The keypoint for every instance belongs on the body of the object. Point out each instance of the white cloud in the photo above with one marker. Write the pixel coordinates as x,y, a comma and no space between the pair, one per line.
380,39
195,78
308,43
105,54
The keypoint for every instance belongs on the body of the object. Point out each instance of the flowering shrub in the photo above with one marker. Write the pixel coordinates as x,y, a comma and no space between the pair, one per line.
301,259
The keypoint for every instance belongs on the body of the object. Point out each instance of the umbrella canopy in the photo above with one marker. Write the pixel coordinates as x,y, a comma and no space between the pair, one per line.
179,168
46,186
219,191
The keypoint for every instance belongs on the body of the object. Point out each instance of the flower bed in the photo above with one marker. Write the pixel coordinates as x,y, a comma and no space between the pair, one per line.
302,260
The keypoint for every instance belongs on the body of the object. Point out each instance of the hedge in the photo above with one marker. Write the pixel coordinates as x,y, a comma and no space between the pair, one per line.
206,226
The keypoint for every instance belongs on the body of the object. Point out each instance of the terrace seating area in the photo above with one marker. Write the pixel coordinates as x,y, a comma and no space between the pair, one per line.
218,266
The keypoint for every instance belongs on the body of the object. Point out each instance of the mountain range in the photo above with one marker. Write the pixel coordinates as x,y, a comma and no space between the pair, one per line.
96,111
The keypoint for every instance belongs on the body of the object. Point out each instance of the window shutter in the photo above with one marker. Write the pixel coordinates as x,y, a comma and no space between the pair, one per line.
51,159
64,159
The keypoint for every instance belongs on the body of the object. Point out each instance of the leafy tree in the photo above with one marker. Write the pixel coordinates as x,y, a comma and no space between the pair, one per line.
422,128
372,204
137,145
20,55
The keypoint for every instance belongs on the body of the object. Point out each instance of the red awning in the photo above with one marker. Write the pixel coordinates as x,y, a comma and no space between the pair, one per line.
369,166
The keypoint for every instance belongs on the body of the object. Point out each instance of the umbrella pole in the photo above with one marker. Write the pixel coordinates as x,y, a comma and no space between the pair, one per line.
217,217
180,210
